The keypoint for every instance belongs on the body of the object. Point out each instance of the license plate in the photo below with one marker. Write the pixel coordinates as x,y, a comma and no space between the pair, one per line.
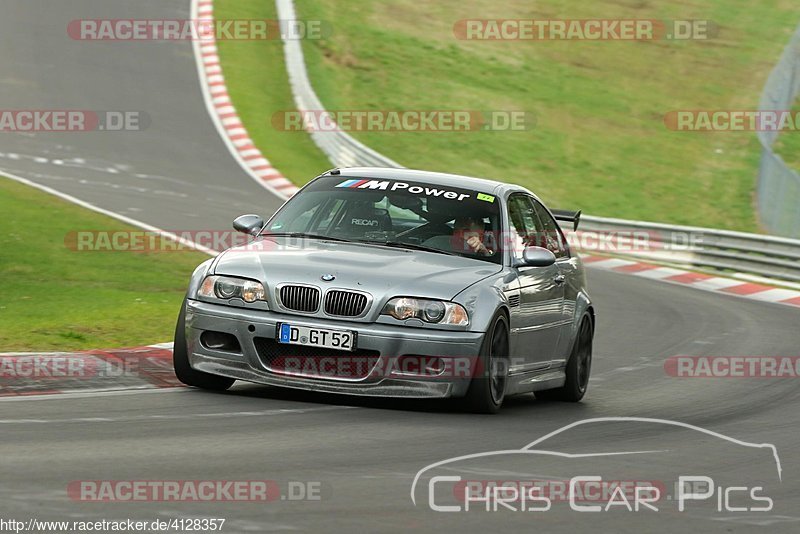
316,337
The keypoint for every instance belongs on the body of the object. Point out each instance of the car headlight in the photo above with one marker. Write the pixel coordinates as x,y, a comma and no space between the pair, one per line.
429,311
226,287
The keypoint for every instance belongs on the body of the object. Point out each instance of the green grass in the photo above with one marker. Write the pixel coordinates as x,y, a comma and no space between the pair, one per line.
255,74
600,143
788,143
56,298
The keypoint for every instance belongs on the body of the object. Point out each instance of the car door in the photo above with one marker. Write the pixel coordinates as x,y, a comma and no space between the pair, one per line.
567,265
536,324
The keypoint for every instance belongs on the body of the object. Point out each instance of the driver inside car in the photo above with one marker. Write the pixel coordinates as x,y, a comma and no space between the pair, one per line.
469,235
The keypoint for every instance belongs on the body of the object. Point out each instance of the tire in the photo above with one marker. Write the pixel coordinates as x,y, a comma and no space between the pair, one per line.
488,387
184,371
578,368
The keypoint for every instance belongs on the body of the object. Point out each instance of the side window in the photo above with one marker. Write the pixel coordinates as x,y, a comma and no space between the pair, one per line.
524,226
552,238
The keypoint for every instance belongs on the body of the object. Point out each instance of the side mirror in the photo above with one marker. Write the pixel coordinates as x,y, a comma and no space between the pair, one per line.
537,257
248,224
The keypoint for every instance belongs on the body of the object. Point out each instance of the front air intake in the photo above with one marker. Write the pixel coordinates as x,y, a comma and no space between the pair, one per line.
345,303
299,298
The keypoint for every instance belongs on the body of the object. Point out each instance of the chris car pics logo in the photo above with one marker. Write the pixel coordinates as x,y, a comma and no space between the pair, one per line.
592,481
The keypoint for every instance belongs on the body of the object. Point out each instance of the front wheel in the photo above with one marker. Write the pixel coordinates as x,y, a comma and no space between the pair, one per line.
578,368
184,371
487,391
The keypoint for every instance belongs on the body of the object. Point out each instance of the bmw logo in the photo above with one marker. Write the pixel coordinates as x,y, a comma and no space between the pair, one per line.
327,277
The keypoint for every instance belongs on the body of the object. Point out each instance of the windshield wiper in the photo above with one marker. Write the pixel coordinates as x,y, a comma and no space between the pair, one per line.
306,235
412,246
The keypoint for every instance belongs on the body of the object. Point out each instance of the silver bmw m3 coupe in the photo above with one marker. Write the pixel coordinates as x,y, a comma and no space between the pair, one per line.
396,283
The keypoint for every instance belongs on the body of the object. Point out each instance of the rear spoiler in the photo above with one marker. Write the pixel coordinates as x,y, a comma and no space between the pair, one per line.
568,216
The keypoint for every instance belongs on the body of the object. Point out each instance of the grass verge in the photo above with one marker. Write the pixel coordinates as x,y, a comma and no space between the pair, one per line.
788,143
56,298
600,143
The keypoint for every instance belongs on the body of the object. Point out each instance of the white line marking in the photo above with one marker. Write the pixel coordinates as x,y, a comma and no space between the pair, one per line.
117,216
174,417
90,394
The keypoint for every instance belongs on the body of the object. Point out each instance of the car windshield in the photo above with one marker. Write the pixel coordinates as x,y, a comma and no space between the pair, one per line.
401,214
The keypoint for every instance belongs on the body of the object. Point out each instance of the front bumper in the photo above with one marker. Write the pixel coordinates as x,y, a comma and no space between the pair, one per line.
386,378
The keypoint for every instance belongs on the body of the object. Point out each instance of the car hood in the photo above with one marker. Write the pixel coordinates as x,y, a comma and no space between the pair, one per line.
381,271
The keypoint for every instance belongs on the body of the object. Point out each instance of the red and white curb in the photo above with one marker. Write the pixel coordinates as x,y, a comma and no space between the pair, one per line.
224,114
708,282
50,373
